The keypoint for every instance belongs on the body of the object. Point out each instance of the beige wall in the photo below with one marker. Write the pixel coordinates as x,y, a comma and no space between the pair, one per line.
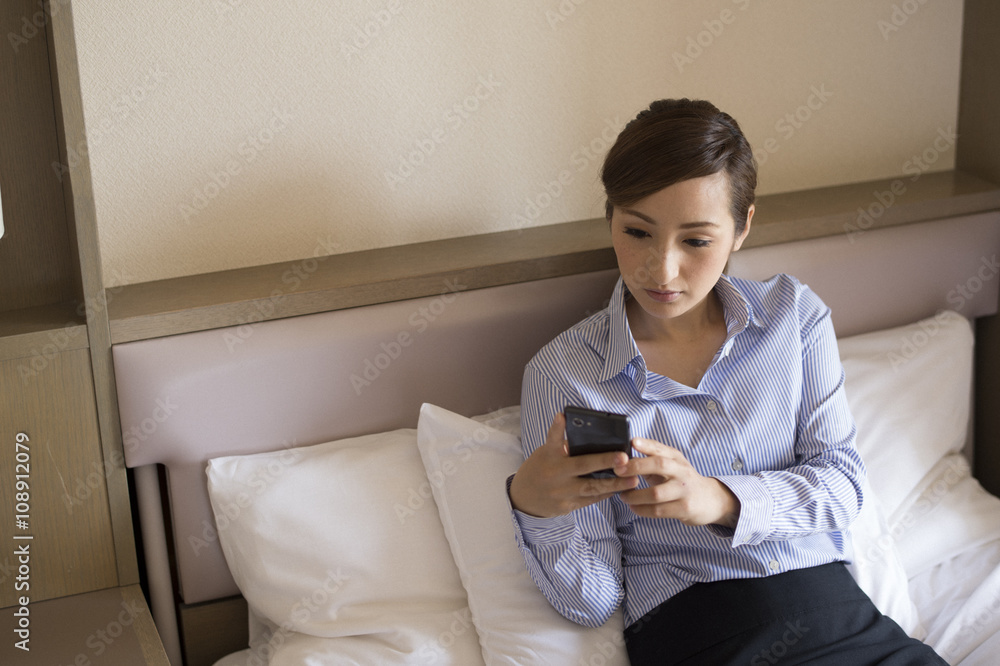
237,132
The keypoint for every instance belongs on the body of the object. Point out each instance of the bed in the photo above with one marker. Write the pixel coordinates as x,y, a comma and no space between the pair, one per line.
329,488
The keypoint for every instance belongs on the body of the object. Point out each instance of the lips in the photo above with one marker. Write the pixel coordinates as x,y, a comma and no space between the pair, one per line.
663,296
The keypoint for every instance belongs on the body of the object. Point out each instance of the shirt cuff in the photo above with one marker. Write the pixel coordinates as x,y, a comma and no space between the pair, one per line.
756,510
541,531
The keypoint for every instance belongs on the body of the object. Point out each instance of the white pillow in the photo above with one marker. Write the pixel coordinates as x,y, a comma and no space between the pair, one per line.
909,389
467,463
320,546
878,569
946,515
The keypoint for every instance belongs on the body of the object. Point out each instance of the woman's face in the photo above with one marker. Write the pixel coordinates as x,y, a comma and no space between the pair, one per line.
673,245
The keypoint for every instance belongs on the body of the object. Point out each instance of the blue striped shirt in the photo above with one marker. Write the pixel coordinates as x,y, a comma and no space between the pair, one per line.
769,419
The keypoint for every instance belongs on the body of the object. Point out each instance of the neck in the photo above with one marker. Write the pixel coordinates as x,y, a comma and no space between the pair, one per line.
688,327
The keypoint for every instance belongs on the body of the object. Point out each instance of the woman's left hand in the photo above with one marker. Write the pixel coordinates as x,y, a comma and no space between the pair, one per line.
676,490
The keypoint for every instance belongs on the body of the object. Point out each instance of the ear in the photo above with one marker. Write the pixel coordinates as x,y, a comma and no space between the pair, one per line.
746,229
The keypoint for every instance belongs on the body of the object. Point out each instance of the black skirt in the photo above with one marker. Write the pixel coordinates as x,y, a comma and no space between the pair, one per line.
817,615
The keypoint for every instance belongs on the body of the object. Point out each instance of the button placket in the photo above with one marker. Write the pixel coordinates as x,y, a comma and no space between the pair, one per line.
714,410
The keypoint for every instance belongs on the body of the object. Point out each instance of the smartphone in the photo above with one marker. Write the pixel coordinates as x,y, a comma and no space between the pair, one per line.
592,431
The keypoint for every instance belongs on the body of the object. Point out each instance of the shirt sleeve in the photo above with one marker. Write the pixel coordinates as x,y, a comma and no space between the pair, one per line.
575,559
821,492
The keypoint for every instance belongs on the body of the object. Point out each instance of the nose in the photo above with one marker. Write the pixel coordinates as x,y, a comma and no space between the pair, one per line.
663,265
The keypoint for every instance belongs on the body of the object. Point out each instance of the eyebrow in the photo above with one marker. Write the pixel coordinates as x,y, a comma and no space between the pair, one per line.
687,225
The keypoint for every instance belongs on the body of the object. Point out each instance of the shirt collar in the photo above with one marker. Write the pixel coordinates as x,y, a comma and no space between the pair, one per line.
737,309
622,350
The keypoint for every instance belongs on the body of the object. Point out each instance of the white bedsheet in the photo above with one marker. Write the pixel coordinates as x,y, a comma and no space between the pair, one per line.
959,602
949,539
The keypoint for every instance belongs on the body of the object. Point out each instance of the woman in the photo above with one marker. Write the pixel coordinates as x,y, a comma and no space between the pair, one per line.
725,537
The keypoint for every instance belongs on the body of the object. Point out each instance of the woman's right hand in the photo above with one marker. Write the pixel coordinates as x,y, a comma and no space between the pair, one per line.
549,482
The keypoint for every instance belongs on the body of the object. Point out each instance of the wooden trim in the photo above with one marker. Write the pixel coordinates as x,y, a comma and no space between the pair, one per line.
69,105
334,282
41,332
318,284
145,629
847,209
978,147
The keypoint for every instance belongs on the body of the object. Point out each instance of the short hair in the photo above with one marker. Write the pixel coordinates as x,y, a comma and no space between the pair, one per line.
675,140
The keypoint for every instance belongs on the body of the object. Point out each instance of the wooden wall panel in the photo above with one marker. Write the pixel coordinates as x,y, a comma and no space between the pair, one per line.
72,549
35,256
978,146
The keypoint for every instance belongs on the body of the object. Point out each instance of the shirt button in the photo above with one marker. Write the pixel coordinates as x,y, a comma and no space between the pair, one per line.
711,406
773,565
737,465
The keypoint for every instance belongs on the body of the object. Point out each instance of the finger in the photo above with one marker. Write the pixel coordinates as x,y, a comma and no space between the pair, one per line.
556,435
590,487
660,466
589,463
659,494
650,447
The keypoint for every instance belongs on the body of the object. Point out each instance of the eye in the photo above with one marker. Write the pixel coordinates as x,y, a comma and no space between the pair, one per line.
698,242
636,233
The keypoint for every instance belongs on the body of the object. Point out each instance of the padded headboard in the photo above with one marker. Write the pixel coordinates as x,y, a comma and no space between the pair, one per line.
304,380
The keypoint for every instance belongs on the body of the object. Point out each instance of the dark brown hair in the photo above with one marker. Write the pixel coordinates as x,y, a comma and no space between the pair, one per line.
675,140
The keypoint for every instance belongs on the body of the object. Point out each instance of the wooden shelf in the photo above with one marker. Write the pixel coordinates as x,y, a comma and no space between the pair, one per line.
228,298
247,295
41,330
830,211
110,626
